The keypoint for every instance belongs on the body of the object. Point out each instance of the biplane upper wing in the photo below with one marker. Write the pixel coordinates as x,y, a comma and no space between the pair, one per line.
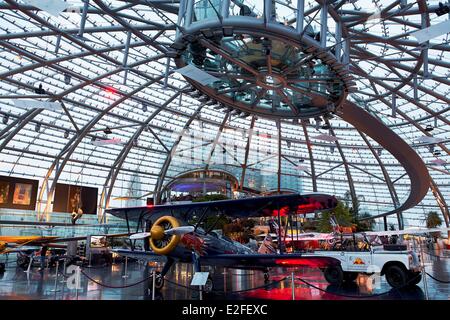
239,208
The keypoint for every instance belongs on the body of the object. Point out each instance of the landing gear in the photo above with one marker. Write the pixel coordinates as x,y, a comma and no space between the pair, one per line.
334,275
209,285
159,276
159,281
266,275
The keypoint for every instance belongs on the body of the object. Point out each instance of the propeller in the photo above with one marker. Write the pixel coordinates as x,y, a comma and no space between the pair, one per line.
179,230
141,235
169,232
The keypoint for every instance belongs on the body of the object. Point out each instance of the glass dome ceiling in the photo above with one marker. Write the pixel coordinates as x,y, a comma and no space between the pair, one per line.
126,122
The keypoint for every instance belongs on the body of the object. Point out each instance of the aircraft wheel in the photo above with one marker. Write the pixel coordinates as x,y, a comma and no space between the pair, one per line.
2,267
159,281
350,276
334,275
396,276
209,285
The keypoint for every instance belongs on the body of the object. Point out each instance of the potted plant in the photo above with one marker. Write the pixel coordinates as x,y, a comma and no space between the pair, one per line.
433,221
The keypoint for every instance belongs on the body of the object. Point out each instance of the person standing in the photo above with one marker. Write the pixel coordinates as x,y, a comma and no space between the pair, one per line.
43,254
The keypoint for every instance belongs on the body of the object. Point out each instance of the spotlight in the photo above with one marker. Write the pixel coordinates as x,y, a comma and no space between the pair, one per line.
188,90
288,144
195,94
203,99
5,119
144,107
66,134
67,78
37,128
429,128
107,130
379,151
443,9
318,121
39,90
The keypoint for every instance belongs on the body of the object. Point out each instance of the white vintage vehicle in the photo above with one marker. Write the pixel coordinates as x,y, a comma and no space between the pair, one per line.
400,266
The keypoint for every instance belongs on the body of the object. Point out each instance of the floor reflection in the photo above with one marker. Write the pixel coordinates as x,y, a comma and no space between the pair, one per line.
228,284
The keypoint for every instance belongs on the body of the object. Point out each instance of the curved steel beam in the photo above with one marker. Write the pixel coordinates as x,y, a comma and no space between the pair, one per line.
311,157
120,159
73,143
151,42
387,179
165,167
441,202
247,150
413,164
351,185
216,139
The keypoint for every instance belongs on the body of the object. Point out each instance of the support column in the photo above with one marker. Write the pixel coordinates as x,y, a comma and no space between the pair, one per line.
225,9
300,15
247,150
279,157
268,11
189,10
323,24
338,48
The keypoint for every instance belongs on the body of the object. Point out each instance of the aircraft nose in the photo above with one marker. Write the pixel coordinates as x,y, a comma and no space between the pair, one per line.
157,232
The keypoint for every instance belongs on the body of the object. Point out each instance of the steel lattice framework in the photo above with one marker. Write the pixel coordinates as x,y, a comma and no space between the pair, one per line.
110,65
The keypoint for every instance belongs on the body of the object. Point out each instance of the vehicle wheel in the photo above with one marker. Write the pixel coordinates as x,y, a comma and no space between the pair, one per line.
23,261
209,285
396,276
266,277
159,281
334,275
350,276
2,267
414,278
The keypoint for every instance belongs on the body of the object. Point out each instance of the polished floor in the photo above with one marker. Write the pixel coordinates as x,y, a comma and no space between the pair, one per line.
228,284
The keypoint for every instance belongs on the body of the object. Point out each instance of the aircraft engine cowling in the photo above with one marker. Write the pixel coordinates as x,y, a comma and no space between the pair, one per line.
160,242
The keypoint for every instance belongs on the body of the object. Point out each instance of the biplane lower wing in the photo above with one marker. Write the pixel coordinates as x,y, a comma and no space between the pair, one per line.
238,208
242,261
140,255
258,261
